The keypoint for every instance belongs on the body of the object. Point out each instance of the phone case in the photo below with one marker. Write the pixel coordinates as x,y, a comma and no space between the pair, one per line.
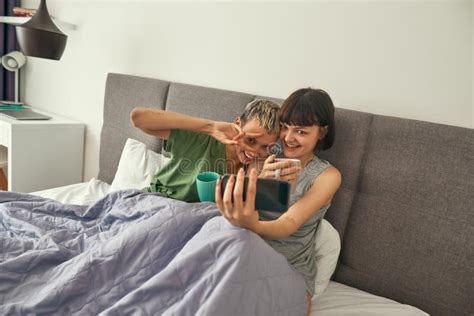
272,195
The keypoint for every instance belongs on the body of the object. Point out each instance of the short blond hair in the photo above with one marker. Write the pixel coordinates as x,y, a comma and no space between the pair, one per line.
266,112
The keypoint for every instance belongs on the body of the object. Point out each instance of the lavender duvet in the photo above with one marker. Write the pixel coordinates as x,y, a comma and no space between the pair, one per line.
137,253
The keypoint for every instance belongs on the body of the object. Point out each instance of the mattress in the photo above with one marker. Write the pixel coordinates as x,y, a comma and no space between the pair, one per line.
337,300
342,300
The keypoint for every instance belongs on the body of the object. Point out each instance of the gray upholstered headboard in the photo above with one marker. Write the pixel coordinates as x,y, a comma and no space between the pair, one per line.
124,92
404,211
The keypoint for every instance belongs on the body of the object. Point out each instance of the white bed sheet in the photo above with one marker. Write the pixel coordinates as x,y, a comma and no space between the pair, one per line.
342,300
80,193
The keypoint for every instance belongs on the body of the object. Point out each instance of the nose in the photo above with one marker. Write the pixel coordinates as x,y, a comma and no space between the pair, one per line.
288,136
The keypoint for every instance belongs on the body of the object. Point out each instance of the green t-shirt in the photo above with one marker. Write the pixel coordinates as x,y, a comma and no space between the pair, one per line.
191,154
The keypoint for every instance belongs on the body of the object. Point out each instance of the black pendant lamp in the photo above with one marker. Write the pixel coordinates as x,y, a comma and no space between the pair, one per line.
40,37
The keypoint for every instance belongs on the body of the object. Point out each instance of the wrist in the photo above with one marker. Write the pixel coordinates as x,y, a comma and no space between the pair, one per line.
209,127
257,227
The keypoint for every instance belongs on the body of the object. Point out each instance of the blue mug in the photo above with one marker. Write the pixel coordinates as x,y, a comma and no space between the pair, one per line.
206,186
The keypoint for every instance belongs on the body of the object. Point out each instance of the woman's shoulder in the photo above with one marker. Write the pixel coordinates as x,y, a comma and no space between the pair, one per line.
321,161
319,167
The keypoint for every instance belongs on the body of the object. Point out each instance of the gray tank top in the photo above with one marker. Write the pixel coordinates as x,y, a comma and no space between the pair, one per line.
299,247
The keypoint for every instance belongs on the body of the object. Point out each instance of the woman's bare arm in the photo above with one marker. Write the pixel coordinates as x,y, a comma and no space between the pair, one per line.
159,123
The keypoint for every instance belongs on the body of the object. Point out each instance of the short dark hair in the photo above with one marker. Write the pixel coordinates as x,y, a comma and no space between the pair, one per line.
308,107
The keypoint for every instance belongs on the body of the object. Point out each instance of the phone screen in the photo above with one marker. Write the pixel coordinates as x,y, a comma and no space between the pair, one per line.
272,195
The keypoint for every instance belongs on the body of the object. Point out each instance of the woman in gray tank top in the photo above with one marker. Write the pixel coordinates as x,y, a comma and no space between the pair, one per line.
307,118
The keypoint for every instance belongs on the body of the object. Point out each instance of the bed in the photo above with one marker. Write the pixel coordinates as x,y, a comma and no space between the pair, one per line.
334,300
80,249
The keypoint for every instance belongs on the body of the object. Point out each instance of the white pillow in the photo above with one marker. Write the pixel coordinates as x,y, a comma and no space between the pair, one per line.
137,166
328,246
80,193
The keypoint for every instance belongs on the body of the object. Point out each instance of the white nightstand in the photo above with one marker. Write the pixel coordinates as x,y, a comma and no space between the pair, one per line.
41,154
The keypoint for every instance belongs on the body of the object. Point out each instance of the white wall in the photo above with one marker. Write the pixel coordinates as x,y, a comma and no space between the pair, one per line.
408,59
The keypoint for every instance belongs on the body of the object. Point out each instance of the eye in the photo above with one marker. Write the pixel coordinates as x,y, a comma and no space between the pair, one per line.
301,132
251,141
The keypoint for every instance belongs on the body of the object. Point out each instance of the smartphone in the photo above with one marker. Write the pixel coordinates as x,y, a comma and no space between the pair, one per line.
272,195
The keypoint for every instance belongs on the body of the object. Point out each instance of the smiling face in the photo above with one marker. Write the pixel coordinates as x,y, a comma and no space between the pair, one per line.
307,118
258,144
299,142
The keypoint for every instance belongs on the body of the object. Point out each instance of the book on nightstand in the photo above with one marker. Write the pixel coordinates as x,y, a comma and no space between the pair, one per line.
20,112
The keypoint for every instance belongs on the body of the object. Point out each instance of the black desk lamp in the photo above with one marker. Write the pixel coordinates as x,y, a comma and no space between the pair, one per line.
40,37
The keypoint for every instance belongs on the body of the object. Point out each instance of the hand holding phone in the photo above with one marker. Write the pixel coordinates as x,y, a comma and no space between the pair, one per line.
271,194
238,197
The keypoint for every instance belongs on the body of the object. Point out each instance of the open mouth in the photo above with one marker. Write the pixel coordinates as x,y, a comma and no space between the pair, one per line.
247,155
291,146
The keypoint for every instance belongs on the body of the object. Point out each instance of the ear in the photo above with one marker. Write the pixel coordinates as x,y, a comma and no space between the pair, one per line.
323,131
237,120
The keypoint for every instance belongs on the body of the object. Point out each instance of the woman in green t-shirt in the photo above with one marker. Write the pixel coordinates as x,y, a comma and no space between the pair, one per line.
198,145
